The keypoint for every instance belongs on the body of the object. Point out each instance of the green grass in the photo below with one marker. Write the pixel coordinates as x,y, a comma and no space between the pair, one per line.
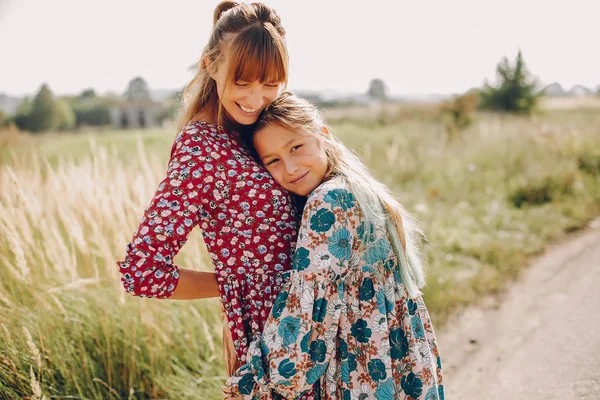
497,195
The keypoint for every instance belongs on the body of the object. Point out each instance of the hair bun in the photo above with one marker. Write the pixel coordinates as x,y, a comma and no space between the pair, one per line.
222,7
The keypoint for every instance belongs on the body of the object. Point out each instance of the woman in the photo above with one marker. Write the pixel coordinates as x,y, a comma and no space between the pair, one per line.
248,221
350,321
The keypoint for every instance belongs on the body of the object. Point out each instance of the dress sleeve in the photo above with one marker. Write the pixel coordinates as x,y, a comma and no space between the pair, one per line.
299,339
148,269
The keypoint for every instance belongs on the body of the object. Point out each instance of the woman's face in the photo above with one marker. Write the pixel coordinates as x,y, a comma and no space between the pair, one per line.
244,101
294,158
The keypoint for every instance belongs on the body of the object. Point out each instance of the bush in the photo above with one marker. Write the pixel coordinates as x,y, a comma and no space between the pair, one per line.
589,162
516,90
543,191
459,113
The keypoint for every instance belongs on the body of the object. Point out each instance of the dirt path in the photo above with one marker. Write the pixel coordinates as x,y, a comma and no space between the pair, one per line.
542,341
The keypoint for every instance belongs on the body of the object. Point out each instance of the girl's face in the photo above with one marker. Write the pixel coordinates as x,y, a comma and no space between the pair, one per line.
294,157
244,101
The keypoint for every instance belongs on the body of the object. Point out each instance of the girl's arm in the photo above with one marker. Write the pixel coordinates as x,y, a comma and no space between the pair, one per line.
148,269
298,343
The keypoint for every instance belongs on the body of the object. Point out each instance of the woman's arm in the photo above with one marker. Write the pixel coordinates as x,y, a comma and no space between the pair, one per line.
195,285
298,343
148,269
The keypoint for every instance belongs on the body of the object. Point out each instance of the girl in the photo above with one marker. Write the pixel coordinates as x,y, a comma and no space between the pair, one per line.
350,320
248,221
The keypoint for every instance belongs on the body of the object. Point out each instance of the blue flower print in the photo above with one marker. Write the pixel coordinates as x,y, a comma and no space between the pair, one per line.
280,303
339,244
246,384
398,344
378,251
417,327
366,290
340,198
322,220
361,331
287,369
301,260
385,390
432,394
315,373
412,307
318,351
289,330
412,385
377,370
320,310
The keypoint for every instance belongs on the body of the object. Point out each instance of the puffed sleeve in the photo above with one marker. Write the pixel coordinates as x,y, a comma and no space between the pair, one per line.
148,269
299,339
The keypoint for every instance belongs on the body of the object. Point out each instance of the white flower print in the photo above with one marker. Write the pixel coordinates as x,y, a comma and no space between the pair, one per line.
332,377
307,300
380,324
322,260
389,287
423,354
362,393
336,308
355,307
271,338
330,337
303,236
384,353
354,261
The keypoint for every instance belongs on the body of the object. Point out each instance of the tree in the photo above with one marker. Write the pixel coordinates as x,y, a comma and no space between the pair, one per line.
45,114
66,116
87,94
21,118
377,89
516,90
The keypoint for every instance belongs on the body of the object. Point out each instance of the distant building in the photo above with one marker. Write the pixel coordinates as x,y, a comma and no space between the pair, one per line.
579,90
137,110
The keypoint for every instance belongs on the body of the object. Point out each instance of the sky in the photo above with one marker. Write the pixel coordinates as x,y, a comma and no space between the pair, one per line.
416,47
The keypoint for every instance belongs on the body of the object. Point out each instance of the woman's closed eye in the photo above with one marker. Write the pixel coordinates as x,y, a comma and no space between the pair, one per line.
271,162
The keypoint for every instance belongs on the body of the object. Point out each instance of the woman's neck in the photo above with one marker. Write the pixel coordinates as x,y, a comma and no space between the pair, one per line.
203,116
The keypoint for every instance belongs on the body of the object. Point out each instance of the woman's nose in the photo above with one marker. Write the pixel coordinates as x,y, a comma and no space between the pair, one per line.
255,99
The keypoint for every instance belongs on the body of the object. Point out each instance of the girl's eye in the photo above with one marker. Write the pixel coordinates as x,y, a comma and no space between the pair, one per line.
272,85
296,147
242,84
271,162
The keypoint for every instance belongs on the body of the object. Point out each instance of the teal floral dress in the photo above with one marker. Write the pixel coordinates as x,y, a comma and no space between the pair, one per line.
343,325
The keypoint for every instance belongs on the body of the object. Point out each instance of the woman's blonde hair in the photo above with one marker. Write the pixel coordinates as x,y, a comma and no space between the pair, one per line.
253,40
375,200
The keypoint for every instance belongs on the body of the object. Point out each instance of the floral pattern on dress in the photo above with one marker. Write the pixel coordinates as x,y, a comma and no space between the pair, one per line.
248,223
343,324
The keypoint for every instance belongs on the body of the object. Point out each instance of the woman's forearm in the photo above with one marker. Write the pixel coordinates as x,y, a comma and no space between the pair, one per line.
195,285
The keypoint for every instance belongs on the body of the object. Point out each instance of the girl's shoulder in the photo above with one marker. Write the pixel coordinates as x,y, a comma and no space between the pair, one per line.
334,191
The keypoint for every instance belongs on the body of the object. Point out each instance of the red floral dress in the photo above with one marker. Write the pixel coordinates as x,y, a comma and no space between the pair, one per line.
248,222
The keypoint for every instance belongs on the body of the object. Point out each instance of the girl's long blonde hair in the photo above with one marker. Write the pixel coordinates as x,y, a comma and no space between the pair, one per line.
378,205
253,40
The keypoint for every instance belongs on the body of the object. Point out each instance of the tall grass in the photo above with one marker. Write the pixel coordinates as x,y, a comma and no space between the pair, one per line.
70,203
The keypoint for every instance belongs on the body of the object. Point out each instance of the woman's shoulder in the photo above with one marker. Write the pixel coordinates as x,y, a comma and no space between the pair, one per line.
200,128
